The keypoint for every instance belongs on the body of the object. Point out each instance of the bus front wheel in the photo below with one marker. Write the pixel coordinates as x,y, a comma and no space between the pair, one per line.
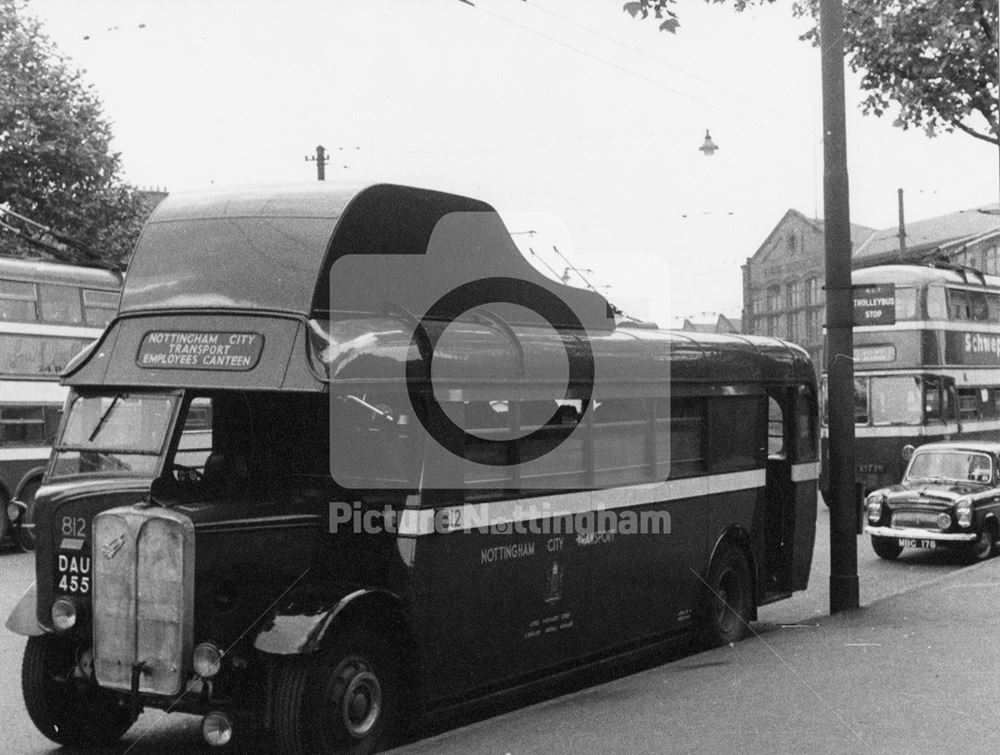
343,701
61,700
728,600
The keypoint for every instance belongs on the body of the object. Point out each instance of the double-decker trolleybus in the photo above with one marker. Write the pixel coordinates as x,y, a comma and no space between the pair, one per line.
928,369
48,313
345,460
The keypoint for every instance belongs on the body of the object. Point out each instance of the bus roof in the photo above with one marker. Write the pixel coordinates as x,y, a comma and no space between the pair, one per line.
41,271
272,249
916,275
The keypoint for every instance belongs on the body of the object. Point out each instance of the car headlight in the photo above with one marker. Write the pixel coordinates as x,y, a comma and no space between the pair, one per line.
14,512
963,512
874,504
943,520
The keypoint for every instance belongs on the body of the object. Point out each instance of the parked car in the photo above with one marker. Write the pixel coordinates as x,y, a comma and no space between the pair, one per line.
949,497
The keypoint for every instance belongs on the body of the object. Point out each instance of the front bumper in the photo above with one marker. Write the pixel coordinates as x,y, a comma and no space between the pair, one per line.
915,533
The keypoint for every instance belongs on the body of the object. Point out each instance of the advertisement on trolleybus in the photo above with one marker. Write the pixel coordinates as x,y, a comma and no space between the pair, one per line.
344,461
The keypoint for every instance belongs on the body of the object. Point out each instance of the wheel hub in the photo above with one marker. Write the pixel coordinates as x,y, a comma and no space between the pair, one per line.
361,703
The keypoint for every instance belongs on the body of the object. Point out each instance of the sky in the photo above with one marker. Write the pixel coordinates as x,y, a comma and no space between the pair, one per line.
574,120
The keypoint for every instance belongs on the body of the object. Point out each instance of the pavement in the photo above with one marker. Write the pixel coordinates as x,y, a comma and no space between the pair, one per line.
915,672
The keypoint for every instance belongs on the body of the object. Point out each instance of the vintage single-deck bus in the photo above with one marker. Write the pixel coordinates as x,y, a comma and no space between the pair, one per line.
929,370
48,313
286,506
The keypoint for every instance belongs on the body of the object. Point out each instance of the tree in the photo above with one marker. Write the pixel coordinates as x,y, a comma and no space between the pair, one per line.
56,165
931,63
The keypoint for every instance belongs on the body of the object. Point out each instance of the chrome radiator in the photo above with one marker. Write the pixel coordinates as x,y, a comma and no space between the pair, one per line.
143,598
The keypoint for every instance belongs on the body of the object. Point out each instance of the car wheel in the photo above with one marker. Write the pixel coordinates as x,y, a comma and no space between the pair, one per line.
727,601
886,547
343,701
985,544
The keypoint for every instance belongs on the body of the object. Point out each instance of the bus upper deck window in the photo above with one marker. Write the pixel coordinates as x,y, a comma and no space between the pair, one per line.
937,307
17,301
906,303
60,304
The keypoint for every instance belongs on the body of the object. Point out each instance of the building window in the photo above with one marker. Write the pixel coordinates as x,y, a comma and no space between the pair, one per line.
794,331
813,292
812,326
773,298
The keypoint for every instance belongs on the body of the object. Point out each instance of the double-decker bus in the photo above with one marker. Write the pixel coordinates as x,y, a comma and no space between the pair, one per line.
286,497
48,313
930,371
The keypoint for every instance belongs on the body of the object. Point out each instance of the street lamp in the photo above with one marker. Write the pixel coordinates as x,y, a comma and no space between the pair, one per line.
708,146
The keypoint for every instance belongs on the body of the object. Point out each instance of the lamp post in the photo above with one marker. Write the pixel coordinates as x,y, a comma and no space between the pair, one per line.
844,588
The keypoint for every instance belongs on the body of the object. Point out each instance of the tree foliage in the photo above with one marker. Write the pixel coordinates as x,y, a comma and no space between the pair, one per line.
56,164
932,64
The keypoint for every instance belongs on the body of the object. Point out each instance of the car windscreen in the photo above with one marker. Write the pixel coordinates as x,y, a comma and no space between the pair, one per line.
957,465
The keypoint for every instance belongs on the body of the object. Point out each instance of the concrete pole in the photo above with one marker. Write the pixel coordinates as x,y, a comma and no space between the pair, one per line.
844,592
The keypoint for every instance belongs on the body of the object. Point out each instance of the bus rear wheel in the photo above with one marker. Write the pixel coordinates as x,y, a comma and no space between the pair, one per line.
343,701
886,547
728,600
62,702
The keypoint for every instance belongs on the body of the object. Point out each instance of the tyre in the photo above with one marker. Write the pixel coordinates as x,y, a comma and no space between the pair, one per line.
886,547
344,699
727,603
985,544
24,528
63,704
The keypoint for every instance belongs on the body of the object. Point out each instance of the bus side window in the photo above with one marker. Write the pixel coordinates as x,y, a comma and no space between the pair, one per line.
60,304
21,425
737,427
861,401
621,441
932,400
805,427
680,437
775,430
18,301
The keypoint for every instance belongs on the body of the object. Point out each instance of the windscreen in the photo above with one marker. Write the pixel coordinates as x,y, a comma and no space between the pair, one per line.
121,433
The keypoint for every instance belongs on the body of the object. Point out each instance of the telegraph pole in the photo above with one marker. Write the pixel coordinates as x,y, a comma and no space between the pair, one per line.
844,592
321,160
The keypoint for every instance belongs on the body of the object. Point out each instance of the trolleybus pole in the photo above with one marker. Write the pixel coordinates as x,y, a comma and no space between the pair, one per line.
839,315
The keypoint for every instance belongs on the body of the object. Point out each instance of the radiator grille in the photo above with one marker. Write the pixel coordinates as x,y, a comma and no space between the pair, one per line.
143,598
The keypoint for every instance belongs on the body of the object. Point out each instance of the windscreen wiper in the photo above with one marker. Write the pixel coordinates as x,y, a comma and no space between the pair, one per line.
104,417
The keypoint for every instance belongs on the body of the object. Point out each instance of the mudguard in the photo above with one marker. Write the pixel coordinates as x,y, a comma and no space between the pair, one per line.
24,618
300,626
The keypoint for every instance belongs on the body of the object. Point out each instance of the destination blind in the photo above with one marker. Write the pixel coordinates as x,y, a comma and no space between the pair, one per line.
200,350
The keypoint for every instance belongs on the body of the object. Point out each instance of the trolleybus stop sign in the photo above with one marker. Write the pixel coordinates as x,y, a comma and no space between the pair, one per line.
875,305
